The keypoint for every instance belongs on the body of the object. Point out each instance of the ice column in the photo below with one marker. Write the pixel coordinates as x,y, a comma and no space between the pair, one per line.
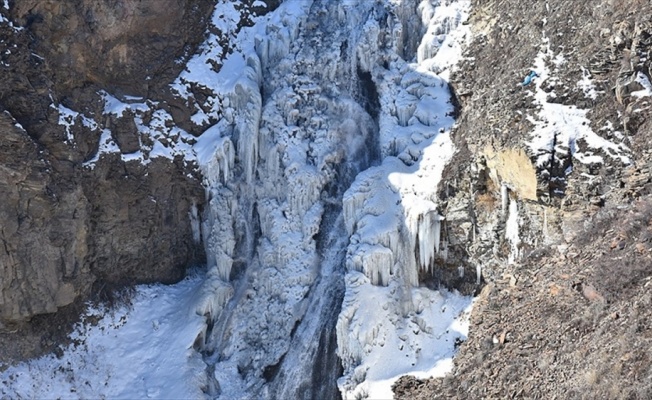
428,239
248,104
512,231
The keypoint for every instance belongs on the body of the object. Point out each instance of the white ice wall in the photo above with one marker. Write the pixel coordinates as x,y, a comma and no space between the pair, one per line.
391,210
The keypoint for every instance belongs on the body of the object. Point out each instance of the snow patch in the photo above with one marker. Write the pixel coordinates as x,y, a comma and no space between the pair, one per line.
116,107
587,85
3,19
106,145
68,118
645,82
565,129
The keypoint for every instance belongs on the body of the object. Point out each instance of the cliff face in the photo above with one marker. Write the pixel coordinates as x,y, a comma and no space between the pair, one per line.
119,45
71,218
549,196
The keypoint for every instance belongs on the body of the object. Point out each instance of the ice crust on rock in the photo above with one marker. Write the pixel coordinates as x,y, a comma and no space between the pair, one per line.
512,230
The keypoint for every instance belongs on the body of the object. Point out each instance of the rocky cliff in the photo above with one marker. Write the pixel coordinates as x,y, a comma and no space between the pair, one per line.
549,196
75,222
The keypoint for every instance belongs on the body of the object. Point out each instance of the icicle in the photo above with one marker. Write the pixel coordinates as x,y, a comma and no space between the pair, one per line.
428,47
261,44
195,223
255,70
218,168
512,231
406,104
351,203
213,296
374,261
248,103
428,237
278,43
219,233
478,273
273,162
305,188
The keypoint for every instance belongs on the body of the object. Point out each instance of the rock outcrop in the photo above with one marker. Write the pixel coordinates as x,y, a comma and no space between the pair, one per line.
124,46
71,228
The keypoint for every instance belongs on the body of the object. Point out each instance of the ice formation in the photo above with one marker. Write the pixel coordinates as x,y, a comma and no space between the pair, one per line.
512,230
314,94
325,93
391,213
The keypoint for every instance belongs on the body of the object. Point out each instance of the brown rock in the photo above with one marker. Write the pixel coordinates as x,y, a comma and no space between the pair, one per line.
119,44
40,225
589,293
64,227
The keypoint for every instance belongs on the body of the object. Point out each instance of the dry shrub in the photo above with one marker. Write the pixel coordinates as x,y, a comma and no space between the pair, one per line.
112,295
486,201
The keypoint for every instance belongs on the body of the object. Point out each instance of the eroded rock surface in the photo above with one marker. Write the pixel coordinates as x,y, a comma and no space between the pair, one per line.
120,45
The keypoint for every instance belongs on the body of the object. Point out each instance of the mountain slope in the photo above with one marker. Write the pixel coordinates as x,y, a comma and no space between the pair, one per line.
564,162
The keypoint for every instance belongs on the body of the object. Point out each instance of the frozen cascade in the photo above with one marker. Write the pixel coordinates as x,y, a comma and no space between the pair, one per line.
298,144
391,212
298,220
320,351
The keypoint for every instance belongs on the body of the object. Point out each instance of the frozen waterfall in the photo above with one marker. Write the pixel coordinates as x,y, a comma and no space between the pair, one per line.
321,176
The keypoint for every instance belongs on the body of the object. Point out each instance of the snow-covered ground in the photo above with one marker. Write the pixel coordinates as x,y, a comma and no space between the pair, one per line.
326,131
138,352
390,345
